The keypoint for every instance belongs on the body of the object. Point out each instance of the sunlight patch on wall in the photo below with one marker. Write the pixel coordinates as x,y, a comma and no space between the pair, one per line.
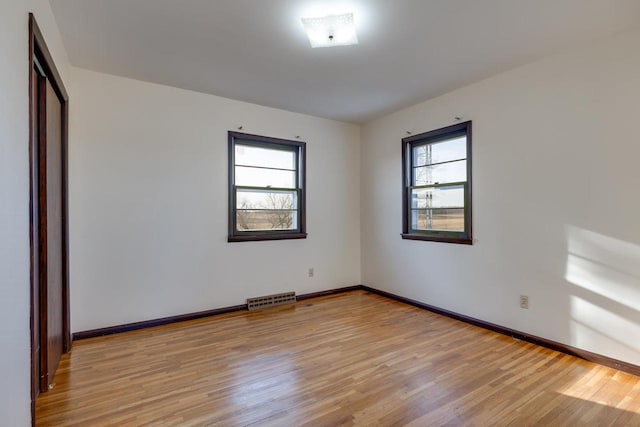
595,325
604,280
605,299
606,251
603,265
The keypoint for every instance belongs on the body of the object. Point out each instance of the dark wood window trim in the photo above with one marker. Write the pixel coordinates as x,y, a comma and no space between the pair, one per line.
299,148
464,237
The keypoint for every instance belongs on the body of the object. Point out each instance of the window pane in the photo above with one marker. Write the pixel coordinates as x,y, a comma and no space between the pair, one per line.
266,191
270,158
262,220
419,155
256,199
258,177
438,152
440,219
440,174
440,197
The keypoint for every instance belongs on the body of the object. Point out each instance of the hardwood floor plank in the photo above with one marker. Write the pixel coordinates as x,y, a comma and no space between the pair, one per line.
347,359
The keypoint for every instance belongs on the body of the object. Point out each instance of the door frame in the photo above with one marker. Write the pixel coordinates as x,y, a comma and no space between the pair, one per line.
39,54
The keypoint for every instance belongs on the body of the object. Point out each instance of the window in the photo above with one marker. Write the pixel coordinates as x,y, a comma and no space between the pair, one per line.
437,185
266,188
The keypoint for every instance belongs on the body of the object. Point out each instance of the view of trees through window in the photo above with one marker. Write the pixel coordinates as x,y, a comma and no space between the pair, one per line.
265,186
273,211
266,195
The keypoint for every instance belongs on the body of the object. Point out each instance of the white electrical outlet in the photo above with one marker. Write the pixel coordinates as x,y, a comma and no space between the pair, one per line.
524,301
311,272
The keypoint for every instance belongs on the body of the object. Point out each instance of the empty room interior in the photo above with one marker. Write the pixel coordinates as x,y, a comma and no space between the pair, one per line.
319,212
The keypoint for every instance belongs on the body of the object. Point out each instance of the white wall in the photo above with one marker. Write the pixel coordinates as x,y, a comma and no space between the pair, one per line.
148,202
556,201
14,199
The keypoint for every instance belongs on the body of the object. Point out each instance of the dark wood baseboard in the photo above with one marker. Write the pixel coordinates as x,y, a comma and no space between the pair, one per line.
329,292
110,330
543,342
155,322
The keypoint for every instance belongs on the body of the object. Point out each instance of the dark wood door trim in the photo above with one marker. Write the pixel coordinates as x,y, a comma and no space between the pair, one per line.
41,63
40,310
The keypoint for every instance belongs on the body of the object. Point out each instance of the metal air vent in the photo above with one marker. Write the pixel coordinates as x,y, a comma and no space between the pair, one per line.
271,300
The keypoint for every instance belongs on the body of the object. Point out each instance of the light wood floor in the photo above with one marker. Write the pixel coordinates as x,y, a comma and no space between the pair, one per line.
347,359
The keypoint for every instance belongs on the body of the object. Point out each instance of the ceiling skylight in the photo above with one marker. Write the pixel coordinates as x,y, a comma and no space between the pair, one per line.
332,30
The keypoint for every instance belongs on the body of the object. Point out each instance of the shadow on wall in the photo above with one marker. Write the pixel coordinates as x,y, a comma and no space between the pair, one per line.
603,274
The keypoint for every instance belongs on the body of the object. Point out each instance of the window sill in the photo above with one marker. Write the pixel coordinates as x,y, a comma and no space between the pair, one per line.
262,237
461,241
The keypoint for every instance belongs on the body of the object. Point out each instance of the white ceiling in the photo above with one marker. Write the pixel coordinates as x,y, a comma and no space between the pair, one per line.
257,51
